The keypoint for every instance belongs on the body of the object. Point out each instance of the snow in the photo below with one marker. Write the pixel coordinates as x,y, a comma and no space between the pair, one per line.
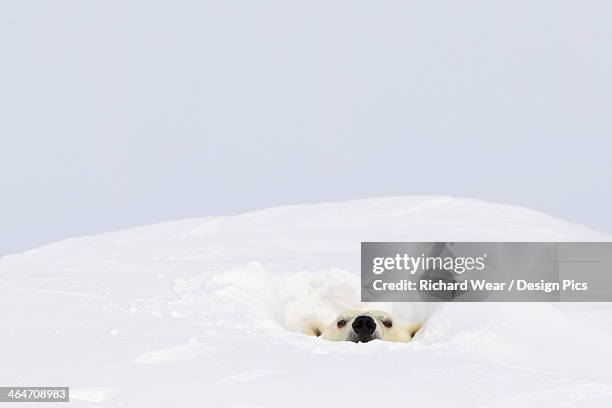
205,312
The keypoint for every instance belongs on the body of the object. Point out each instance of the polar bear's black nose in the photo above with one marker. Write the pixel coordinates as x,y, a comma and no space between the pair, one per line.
364,325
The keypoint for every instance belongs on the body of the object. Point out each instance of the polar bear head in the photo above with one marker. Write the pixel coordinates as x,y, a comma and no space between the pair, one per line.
359,326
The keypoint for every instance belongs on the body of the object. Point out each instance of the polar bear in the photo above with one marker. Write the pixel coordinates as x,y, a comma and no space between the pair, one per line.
359,326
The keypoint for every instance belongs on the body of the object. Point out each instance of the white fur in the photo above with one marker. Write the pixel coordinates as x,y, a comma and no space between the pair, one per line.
398,331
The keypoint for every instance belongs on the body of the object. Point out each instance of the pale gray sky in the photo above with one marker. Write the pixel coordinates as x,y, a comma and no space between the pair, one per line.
117,114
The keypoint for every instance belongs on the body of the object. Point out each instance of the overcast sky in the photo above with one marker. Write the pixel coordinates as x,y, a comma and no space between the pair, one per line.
116,114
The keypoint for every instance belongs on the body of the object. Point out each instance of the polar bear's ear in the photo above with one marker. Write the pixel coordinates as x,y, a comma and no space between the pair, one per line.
413,328
313,328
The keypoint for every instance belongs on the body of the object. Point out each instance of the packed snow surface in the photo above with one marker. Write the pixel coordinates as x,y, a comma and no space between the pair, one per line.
206,313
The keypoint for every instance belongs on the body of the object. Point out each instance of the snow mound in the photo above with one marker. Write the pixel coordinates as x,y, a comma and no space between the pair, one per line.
207,312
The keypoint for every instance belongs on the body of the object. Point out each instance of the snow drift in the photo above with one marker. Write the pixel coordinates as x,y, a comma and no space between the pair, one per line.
206,312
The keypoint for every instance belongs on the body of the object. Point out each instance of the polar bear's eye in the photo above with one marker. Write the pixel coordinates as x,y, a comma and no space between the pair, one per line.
388,323
341,323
